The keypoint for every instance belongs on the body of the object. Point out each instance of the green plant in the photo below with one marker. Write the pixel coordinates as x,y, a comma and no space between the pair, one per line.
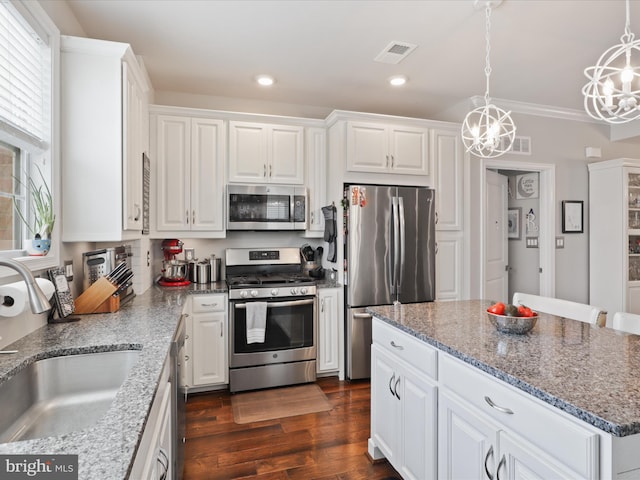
44,217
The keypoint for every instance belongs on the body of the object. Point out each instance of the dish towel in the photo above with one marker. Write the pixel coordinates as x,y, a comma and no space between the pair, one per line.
330,227
256,321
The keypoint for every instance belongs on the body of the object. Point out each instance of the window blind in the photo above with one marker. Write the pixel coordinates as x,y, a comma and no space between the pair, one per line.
22,77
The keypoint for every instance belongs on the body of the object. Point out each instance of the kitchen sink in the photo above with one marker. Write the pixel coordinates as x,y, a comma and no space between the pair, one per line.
59,395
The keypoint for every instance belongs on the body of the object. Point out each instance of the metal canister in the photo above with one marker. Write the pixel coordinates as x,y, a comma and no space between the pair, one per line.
215,268
203,272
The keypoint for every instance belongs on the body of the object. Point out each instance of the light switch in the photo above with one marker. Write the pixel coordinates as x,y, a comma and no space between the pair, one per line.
532,242
559,242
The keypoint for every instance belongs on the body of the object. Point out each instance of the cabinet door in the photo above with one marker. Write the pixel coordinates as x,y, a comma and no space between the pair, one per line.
164,460
328,341
449,266
207,177
132,138
173,172
409,153
467,441
248,160
385,406
209,361
418,398
316,176
286,155
368,148
449,163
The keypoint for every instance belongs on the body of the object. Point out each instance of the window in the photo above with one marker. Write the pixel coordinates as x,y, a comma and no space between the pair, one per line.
28,54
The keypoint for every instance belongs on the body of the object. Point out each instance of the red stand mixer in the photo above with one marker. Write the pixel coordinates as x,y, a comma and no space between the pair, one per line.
174,271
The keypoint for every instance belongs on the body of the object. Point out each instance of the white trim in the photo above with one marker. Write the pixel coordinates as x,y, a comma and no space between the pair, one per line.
547,235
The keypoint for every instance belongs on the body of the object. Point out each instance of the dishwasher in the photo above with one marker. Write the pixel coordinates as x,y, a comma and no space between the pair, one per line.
179,397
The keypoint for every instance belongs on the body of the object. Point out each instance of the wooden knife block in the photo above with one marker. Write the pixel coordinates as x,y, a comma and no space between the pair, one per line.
92,300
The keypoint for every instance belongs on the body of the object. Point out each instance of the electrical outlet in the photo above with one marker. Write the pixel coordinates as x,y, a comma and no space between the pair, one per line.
68,270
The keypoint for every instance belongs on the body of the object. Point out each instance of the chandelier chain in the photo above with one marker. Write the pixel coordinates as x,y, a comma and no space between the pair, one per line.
487,68
627,36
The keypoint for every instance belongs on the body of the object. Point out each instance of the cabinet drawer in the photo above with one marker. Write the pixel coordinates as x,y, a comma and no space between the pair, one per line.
551,430
418,354
209,303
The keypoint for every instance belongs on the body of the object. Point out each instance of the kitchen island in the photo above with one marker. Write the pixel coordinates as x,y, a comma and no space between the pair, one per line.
107,449
582,379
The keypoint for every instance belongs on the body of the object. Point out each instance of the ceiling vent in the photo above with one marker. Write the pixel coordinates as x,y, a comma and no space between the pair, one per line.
395,52
521,145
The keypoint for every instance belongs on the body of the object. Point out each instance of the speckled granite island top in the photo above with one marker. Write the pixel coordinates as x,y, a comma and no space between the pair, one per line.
107,449
590,373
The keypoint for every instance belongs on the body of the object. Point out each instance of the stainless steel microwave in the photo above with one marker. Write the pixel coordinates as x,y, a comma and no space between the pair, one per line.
266,207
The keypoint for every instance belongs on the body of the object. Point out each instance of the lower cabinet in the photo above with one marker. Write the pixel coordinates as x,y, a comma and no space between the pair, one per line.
403,414
154,458
328,350
206,343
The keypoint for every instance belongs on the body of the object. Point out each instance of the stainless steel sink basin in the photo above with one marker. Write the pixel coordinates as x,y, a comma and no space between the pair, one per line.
60,395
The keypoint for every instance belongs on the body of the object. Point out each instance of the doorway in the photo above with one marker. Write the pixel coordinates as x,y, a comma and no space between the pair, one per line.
545,222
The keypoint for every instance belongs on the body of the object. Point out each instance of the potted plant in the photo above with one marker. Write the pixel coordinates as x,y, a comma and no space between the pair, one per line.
42,214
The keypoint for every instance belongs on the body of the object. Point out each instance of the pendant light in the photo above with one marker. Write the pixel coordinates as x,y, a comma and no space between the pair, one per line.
488,131
612,93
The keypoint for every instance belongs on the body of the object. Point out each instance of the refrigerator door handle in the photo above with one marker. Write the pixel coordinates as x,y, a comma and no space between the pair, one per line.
396,245
402,243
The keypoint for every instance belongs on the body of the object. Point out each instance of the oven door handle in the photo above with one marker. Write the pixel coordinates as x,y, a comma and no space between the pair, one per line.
292,303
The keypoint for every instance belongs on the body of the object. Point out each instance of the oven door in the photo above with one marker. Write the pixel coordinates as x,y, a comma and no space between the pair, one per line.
290,332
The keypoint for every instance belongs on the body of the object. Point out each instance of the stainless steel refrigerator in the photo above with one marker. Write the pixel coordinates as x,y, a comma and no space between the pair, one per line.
390,257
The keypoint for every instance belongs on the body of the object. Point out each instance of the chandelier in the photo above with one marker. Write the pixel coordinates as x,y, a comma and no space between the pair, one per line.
612,93
488,131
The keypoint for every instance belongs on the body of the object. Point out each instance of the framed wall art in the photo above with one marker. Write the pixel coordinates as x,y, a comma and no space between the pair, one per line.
572,216
513,223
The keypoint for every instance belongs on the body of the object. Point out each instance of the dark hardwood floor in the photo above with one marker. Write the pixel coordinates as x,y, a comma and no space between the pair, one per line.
327,445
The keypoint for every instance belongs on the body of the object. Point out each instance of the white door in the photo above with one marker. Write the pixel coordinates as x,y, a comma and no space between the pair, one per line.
496,252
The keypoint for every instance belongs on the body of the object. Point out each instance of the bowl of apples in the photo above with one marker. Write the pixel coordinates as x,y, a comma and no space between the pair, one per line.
509,318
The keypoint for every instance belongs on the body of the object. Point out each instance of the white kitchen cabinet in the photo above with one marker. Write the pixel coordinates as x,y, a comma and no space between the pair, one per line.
316,141
154,457
383,148
206,346
449,265
189,153
614,235
266,153
403,404
104,132
328,330
488,429
448,155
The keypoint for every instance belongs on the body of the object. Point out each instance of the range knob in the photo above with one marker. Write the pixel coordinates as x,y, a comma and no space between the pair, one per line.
274,292
304,290
254,293
244,294
294,291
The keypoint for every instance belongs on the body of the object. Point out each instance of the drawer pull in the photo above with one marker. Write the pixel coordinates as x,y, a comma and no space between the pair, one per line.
399,347
486,459
503,462
395,388
498,407
390,382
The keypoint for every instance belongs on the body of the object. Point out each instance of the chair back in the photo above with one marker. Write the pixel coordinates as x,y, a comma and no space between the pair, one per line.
626,322
562,308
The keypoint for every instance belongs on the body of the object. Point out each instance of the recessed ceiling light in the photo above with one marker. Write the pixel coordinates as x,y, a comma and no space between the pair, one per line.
398,80
265,80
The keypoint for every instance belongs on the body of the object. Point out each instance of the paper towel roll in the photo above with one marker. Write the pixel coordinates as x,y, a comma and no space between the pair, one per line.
14,298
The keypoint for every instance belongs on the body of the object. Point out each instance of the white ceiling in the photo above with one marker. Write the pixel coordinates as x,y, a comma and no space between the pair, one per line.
321,51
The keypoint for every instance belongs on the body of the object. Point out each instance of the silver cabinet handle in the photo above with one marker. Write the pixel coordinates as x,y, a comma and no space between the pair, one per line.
193,217
322,305
209,304
270,171
392,161
186,214
362,315
436,217
387,165
399,347
264,169
137,215
395,388
498,407
503,462
390,382
186,358
163,460
486,459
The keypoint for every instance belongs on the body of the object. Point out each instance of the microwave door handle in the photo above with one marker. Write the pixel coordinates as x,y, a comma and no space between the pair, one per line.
293,303
402,242
292,208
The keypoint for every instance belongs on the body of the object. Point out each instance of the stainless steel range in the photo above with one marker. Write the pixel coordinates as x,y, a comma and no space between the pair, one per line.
273,319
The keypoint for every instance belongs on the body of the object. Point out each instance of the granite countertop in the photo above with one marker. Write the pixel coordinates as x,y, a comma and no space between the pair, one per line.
147,323
591,373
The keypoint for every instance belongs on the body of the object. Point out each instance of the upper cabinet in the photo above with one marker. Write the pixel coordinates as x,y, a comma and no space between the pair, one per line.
316,177
189,172
104,131
448,158
266,153
381,148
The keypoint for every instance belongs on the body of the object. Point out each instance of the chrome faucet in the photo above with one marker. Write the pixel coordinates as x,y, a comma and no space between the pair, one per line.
37,299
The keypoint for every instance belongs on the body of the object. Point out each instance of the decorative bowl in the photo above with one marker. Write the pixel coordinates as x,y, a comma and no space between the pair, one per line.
508,324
